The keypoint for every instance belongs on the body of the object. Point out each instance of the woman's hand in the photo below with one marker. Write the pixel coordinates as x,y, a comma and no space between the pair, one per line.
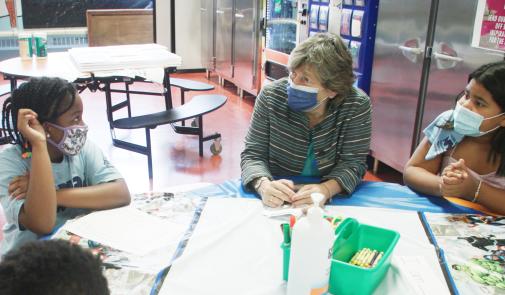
303,195
19,186
457,182
30,127
275,193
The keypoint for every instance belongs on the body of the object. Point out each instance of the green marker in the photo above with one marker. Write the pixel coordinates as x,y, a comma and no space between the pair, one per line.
286,232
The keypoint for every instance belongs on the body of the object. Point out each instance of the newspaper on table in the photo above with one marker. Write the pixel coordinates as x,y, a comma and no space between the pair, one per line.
474,248
127,229
129,273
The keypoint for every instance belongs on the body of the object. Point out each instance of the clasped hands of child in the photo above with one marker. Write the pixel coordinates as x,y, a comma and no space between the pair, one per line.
455,181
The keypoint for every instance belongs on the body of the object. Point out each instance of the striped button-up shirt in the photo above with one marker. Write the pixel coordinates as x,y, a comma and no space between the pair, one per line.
278,138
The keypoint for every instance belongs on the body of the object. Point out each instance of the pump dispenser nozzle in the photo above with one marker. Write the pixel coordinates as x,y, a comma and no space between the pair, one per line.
317,198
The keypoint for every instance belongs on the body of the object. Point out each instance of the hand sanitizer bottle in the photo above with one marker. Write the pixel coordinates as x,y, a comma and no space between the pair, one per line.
311,243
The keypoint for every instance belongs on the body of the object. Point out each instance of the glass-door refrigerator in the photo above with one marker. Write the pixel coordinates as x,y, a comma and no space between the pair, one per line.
400,110
280,36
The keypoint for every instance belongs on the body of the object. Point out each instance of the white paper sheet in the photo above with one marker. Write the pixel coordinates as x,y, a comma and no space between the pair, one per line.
109,58
236,249
127,229
281,211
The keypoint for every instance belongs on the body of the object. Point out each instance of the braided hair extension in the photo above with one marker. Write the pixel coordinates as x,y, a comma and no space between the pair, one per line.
48,97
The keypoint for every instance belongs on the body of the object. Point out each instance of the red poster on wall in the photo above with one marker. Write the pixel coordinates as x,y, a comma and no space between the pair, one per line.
489,27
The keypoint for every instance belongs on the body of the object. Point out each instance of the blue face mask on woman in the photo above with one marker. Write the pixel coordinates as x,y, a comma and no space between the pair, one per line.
468,123
302,98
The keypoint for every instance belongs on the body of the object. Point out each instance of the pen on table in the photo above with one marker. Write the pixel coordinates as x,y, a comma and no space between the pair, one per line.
286,233
117,266
110,265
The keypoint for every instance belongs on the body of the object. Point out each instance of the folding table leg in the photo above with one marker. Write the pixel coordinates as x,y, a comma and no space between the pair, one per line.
183,122
168,92
108,102
127,88
149,154
200,135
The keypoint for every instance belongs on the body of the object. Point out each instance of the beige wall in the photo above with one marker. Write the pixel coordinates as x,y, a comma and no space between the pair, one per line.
188,30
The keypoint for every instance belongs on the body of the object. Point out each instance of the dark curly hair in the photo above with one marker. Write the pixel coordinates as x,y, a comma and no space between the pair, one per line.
51,267
48,97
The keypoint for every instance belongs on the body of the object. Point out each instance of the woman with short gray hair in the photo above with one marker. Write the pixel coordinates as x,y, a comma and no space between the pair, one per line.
329,58
313,123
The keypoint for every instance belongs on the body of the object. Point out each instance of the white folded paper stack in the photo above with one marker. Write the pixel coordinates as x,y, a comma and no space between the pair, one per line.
120,57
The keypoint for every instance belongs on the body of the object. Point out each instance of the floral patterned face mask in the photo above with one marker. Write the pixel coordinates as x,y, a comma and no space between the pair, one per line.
74,138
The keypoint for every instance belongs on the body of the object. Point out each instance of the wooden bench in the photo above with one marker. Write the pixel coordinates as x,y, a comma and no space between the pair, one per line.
119,26
195,108
189,85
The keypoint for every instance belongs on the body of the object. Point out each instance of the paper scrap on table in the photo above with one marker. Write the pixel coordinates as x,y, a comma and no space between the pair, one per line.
419,274
127,229
281,211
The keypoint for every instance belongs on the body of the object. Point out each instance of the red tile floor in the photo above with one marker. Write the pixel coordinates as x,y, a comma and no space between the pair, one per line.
175,156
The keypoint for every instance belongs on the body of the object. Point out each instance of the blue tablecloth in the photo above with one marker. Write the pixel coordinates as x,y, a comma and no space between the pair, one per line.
367,194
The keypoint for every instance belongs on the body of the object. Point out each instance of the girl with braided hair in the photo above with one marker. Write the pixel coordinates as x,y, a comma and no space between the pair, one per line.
51,173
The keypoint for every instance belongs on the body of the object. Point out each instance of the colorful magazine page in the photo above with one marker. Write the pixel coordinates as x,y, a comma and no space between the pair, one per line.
336,17
346,42
355,47
323,18
359,3
345,25
474,250
314,17
356,25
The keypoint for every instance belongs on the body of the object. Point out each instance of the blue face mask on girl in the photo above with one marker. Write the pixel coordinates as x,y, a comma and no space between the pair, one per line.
468,123
302,98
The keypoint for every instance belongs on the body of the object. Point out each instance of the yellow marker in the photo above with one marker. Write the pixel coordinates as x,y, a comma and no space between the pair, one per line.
366,258
374,258
359,254
365,253
354,257
378,258
368,261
